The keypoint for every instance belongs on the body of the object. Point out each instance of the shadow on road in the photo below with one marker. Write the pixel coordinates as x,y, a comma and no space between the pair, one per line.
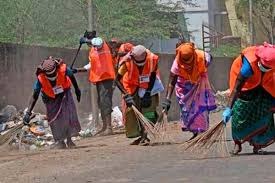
250,154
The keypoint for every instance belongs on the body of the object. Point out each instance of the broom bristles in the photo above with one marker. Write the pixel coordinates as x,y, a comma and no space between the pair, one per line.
156,132
147,124
161,128
7,136
211,141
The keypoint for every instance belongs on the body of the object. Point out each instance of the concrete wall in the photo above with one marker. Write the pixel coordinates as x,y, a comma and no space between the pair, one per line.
18,64
219,72
17,72
218,16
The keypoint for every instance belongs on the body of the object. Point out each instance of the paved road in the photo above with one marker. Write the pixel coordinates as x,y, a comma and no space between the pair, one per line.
110,160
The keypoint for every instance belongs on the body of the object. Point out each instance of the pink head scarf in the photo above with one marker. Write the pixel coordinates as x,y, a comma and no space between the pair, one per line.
266,53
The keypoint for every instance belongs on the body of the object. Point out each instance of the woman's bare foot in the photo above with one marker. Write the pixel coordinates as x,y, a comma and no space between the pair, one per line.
98,133
136,142
237,149
59,145
194,136
108,131
144,141
70,143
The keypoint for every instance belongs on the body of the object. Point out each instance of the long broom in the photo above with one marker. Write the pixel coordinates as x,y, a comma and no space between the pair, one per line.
8,135
161,130
157,133
146,123
211,141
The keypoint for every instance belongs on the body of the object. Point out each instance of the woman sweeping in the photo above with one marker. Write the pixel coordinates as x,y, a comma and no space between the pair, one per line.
54,80
252,86
140,84
195,97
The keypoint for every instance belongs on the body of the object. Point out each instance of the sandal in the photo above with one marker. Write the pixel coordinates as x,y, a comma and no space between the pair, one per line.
108,131
259,151
58,145
237,149
70,144
136,142
144,142
194,136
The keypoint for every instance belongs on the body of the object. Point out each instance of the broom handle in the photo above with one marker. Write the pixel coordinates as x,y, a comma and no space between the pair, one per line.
224,124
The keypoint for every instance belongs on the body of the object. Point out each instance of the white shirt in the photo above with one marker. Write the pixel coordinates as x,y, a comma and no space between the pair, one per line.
87,67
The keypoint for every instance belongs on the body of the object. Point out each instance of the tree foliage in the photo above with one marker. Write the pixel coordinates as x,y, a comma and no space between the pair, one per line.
226,50
61,22
51,23
263,16
135,20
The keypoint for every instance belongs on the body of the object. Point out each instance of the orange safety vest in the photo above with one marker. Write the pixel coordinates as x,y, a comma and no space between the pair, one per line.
132,78
266,80
62,80
102,66
198,68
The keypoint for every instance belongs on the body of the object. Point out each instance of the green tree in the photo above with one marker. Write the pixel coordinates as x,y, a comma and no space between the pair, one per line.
137,20
39,22
61,22
263,16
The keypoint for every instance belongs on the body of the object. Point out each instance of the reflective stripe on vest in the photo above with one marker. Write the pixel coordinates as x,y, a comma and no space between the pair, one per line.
102,66
61,80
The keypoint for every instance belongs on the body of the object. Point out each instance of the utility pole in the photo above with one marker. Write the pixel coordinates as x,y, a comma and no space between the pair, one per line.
95,111
90,16
251,23
272,24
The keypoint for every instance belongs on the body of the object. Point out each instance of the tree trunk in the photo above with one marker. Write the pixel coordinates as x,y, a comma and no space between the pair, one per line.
273,30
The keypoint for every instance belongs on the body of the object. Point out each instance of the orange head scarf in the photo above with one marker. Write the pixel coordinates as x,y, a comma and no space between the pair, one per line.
186,52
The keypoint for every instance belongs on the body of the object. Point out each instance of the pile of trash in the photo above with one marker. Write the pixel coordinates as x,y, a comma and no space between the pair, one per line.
92,127
38,134
117,118
221,99
33,137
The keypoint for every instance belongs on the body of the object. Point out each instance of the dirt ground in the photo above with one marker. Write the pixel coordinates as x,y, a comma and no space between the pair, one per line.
111,159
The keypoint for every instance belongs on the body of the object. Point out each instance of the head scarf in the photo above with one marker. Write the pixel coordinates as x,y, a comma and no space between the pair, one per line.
97,42
128,47
139,53
48,66
186,52
266,53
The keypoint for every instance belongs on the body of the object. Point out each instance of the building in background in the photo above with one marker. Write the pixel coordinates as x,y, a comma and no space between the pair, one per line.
191,17
196,16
